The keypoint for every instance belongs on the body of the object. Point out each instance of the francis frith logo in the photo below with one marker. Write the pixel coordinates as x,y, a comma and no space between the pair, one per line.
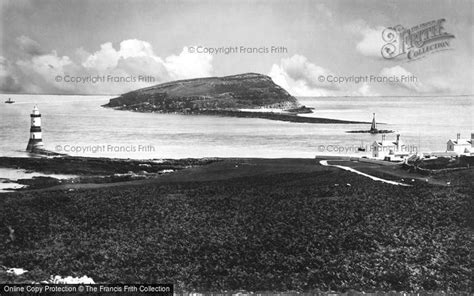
417,41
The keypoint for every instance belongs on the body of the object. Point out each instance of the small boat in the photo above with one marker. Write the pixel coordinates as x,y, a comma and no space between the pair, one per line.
9,101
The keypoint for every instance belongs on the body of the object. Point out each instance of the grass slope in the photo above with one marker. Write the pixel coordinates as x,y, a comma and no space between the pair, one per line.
281,231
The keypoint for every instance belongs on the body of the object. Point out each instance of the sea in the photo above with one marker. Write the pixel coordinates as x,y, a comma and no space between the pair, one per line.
78,125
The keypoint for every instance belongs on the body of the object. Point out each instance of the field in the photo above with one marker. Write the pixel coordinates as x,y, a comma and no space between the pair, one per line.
275,225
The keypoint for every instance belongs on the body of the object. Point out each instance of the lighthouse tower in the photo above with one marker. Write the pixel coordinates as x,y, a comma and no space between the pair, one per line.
36,141
373,127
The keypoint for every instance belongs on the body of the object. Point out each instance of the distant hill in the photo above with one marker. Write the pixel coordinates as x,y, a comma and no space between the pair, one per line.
248,90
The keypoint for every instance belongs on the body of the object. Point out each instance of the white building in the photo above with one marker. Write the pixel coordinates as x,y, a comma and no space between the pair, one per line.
461,146
385,148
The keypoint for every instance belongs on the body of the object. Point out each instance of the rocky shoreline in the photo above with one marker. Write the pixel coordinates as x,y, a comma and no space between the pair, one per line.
92,170
372,132
290,115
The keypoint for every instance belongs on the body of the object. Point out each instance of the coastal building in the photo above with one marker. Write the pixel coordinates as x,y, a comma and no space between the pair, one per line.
36,141
389,149
460,146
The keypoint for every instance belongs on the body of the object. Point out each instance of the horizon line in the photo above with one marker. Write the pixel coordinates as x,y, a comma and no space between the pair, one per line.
341,96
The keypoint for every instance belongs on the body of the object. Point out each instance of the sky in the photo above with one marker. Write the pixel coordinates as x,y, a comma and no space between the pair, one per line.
115,46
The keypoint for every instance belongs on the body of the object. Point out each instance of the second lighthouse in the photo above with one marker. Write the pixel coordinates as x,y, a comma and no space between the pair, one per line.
36,141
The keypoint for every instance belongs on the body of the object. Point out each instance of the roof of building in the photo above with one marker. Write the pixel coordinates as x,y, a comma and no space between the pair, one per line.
460,141
385,143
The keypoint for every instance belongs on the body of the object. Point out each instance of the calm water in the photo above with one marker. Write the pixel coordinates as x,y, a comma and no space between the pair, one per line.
78,122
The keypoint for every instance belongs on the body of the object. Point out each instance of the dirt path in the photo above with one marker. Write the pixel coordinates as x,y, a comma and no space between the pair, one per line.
325,163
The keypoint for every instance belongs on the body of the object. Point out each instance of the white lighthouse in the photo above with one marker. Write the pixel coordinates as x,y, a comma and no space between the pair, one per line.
36,141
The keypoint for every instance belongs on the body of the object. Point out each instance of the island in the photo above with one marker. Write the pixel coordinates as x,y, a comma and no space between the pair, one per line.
244,95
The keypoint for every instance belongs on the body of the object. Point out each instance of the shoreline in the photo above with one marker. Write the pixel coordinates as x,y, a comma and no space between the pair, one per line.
288,117
96,165
277,116
98,172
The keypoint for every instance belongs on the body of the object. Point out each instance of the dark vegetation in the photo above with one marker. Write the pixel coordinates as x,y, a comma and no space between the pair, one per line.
443,163
74,165
248,90
274,232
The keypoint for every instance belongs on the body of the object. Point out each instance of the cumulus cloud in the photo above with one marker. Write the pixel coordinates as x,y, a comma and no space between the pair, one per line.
103,59
300,77
108,57
370,38
188,65
38,71
135,56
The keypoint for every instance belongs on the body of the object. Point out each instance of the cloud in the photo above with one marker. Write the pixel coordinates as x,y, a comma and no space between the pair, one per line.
411,82
136,56
38,71
300,77
8,80
370,38
189,65
323,9
106,58
29,46
366,91
397,73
